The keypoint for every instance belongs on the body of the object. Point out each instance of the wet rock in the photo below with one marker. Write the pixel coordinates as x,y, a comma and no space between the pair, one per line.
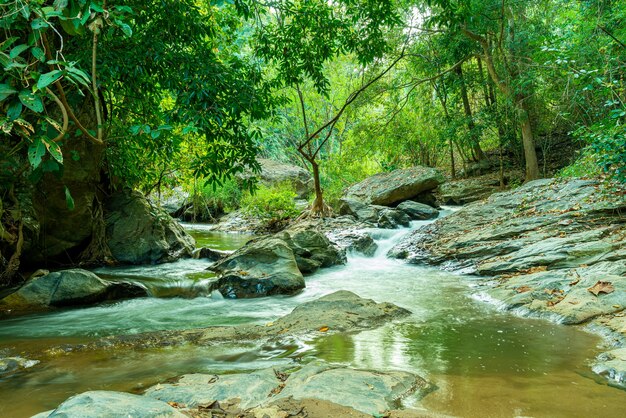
340,311
141,233
356,241
345,386
392,218
612,365
237,221
102,403
252,389
210,254
361,211
67,288
312,249
262,267
318,380
418,211
396,186
9,365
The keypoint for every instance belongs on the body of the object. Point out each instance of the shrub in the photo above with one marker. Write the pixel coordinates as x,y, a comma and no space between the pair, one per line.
275,205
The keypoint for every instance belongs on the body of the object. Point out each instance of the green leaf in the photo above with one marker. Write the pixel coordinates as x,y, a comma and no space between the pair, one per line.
36,151
79,75
38,53
68,199
31,101
14,111
15,52
6,91
54,149
39,24
6,44
48,78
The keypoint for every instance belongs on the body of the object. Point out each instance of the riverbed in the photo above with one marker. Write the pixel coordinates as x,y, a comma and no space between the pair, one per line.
485,362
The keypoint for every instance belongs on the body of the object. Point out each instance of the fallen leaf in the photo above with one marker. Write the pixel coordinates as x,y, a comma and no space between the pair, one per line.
574,282
554,302
324,329
523,289
601,287
536,269
269,324
553,291
176,405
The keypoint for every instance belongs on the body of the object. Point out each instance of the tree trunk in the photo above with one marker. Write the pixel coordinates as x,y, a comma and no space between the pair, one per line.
471,126
528,140
318,203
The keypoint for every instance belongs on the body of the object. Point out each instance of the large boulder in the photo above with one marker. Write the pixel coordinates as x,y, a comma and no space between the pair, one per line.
312,249
138,232
67,288
262,267
461,192
394,187
100,403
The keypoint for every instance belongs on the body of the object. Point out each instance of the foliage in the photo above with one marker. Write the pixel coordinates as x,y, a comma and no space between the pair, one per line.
273,204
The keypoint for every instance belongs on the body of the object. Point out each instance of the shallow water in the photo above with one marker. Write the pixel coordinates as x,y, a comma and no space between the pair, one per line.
485,363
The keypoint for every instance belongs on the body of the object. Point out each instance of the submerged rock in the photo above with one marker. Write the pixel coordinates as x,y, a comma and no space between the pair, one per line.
376,215
101,403
340,311
138,232
396,186
318,380
67,288
9,365
262,267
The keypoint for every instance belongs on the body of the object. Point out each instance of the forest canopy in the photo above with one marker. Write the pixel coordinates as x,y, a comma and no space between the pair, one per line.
194,91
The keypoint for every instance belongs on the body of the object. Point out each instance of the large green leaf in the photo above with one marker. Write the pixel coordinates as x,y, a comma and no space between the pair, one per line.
36,151
14,111
48,78
15,52
31,101
54,149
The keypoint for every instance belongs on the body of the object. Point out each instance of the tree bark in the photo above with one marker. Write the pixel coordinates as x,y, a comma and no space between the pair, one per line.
477,152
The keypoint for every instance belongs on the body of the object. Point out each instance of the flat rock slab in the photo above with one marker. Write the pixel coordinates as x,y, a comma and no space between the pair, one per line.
341,311
612,365
97,404
366,391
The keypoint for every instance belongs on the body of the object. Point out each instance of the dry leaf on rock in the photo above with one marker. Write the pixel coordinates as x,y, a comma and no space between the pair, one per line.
601,287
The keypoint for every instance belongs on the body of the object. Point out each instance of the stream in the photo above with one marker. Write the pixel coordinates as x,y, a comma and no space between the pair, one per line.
485,363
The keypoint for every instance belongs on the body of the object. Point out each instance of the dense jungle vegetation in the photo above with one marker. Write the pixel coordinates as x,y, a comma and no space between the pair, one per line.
191,92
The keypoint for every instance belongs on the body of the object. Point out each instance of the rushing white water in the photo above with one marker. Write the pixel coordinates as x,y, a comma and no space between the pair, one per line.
486,362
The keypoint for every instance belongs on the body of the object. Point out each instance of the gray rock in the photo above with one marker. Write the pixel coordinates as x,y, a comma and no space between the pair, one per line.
392,218
67,288
312,249
9,365
252,389
462,192
274,173
172,201
396,186
263,267
318,380
102,403
612,365
346,386
418,211
210,254
141,233
361,211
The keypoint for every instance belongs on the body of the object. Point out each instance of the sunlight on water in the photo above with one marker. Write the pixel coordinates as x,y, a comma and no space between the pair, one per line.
485,362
